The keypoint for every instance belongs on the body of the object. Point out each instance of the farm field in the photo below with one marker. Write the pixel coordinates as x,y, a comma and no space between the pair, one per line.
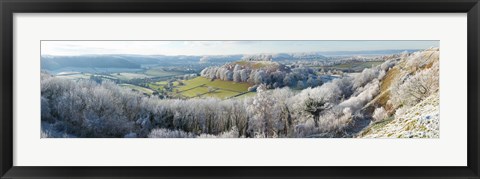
199,87
229,85
193,92
160,72
248,94
157,85
189,84
204,87
223,94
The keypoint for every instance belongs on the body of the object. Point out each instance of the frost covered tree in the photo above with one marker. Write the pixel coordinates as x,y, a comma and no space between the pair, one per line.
257,57
312,82
379,114
237,76
287,80
300,85
417,87
260,77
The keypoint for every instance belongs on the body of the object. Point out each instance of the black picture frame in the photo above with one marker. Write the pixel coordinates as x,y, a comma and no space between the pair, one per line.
9,7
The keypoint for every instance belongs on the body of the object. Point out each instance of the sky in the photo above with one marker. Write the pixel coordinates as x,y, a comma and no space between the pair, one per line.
72,48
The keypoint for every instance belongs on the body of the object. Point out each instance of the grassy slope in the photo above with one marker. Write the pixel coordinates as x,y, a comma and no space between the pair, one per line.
193,92
157,85
387,81
230,85
221,94
411,125
192,83
419,121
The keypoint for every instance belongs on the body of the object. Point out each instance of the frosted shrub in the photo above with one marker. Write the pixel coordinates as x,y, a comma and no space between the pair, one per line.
415,60
365,94
45,110
233,133
207,136
335,120
381,74
400,112
166,133
379,114
385,66
363,78
44,134
416,87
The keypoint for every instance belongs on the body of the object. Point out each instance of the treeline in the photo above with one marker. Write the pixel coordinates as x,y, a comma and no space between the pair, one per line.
272,74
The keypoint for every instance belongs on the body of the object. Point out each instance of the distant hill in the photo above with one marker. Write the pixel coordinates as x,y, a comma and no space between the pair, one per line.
57,62
367,52
127,61
282,57
298,56
219,59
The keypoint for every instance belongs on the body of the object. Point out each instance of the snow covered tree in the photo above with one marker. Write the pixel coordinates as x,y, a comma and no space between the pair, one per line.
417,87
379,114
300,84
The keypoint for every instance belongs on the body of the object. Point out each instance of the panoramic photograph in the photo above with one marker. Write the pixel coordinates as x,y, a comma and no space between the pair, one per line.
240,89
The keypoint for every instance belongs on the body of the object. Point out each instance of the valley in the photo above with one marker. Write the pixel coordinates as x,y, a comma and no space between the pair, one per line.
278,95
185,82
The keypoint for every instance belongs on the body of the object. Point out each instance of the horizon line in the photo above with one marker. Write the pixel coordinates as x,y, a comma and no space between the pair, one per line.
244,53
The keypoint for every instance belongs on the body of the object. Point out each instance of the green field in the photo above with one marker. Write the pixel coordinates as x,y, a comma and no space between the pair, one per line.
230,85
249,94
204,87
157,85
198,91
192,83
138,88
223,94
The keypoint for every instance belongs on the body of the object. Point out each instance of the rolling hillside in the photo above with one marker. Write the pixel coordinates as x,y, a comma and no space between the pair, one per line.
409,93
